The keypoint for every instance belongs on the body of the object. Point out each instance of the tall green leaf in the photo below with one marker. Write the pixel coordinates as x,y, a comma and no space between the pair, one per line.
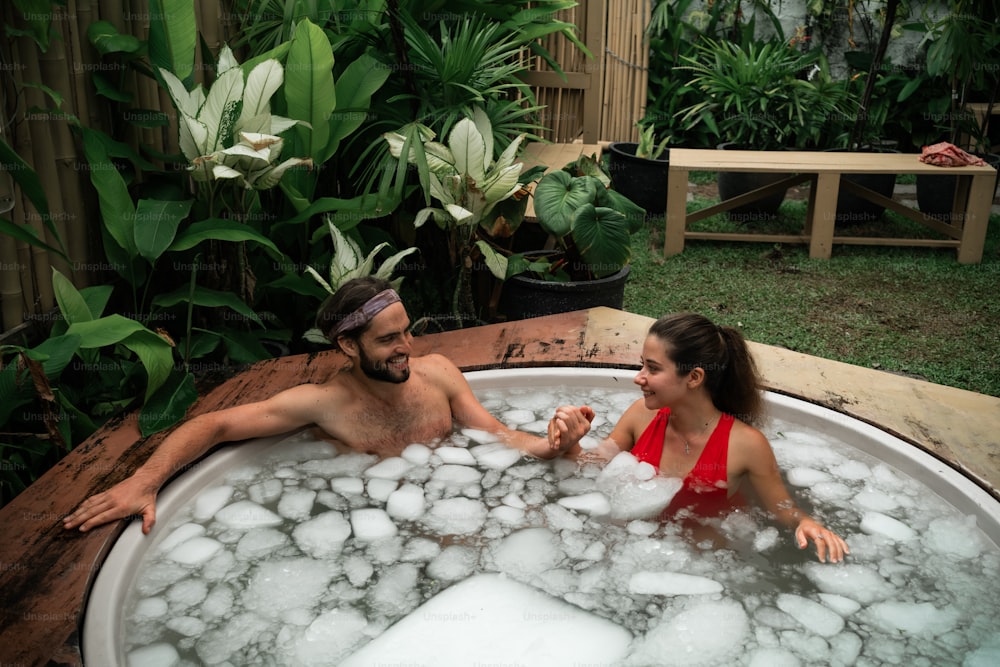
117,208
26,177
156,224
71,303
169,404
172,36
309,87
354,90
153,351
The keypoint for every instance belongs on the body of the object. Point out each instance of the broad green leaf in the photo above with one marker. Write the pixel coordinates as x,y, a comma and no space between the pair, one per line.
354,90
495,262
106,39
558,196
116,205
97,297
110,90
601,235
173,33
28,235
37,14
309,87
218,229
154,352
71,303
203,296
168,404
156,225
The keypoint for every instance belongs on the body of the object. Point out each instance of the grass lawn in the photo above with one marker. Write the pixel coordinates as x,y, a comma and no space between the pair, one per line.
914,311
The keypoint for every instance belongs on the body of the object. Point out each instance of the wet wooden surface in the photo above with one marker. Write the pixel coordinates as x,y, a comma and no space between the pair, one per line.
45,571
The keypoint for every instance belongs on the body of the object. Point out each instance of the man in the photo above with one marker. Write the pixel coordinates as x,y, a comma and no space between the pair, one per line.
383,402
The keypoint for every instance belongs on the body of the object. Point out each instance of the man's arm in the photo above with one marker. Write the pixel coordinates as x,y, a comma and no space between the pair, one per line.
136,495
469,412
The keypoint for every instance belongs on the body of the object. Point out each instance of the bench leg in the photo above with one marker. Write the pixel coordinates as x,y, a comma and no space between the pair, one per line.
976,219
822,215
676,213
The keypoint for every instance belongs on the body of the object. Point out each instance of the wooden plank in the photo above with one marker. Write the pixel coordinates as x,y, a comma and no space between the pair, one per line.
696,159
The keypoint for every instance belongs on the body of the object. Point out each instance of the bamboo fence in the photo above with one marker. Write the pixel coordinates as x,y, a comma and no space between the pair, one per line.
601,98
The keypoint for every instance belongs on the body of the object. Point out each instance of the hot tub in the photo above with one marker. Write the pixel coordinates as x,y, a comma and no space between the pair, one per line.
535,596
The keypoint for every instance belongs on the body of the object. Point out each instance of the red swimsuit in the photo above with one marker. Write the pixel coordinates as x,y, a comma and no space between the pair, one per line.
707,485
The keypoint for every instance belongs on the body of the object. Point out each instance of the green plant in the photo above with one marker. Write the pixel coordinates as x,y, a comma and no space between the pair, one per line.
469,184
765,96
349,262
589,224
647,147
963,46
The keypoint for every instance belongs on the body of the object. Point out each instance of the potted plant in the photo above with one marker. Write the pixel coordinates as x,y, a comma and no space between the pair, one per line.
758,97
470,187
963,46
585,262
639,170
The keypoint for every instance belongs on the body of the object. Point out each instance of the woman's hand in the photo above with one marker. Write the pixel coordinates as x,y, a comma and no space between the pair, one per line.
131,497
828,544
568,426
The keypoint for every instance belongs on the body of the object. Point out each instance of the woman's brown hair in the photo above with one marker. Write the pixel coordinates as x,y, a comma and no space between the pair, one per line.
731,376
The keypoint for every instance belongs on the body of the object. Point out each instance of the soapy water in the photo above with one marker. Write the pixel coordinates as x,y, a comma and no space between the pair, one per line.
466,552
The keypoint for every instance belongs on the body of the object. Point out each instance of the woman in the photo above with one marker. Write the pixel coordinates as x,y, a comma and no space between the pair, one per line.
701,399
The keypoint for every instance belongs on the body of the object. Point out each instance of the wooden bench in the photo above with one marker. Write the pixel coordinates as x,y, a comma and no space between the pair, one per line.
966,230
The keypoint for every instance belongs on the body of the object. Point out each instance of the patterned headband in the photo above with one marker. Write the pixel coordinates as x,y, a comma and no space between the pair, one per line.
367,311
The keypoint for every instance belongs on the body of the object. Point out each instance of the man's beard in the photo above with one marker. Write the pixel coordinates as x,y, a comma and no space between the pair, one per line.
380,370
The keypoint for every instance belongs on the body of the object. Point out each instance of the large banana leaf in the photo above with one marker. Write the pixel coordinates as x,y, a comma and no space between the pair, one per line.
354,90
156,224
172,36
309,88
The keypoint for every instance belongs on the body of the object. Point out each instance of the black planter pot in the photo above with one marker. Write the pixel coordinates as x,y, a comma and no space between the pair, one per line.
524,297
642,180
735,183
935,194
850,207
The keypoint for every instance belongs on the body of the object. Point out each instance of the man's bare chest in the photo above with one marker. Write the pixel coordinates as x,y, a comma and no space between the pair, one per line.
387,429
